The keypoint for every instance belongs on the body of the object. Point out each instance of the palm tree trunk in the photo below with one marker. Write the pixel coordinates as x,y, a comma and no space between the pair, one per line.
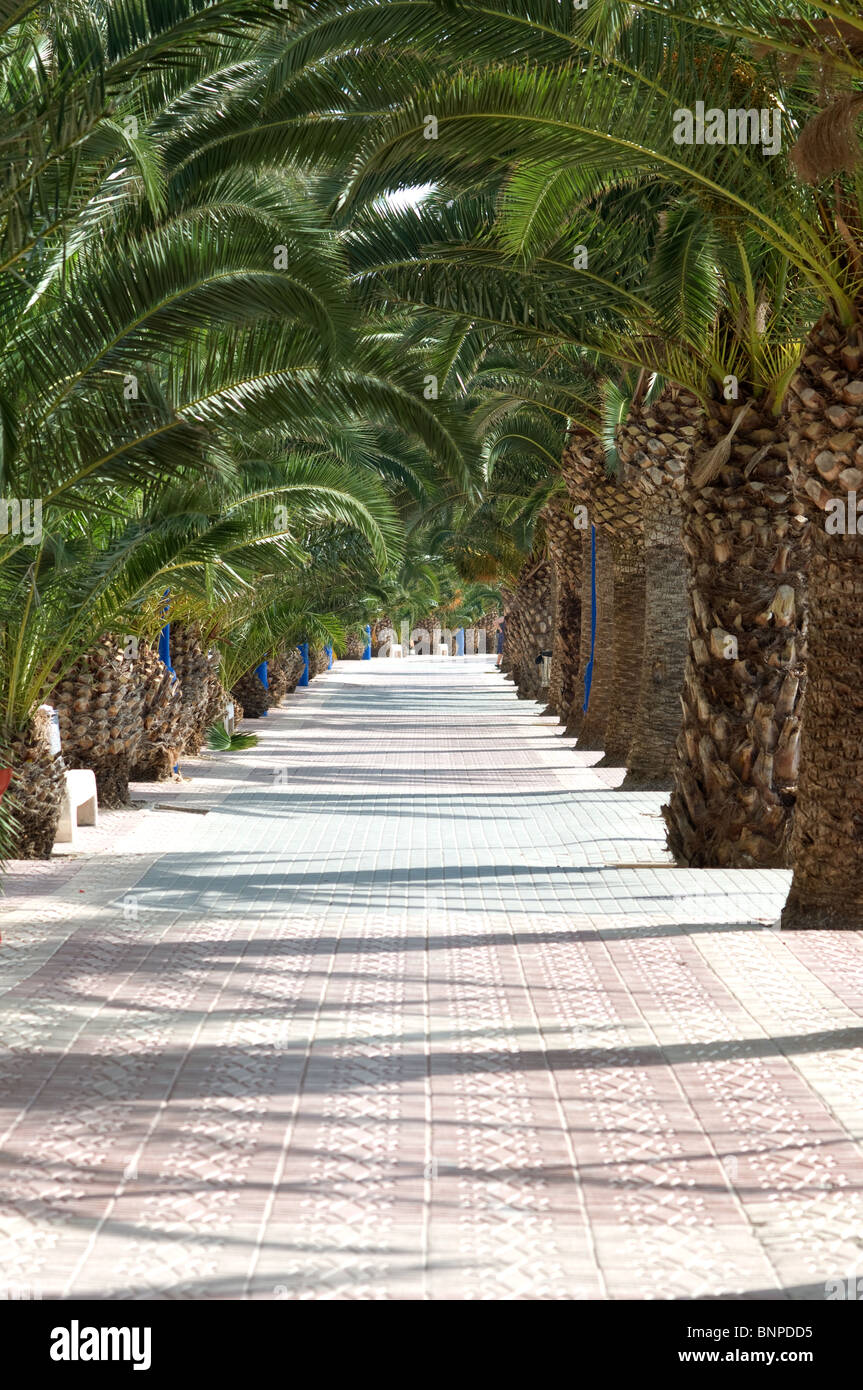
603,690
629,603
99,704
167,717
733,779
488,626
657,719
36,790
252,695
317,662
575,714
824,414
528,626
508,646
379,627
615,508
657,444
294,666
567,644
553,692
565,552
204,696
283,673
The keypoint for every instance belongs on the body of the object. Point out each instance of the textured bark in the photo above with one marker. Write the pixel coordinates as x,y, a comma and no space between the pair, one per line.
575,714
36,790
656,445
602,687
253,695
614,507
283,674
204,697
318,662
354,647
277,677
379,641
567,645
735,770
507,649
100,707
483,627
657,718
436,625
629,598
294,664
824,419
552,692
565,553
658,441
528,626
166,717
488,624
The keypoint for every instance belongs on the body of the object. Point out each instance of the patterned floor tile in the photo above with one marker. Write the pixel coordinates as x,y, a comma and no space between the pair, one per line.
419,1009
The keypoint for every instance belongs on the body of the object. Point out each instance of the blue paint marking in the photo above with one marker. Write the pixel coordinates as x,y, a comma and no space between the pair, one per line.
588,675
261,673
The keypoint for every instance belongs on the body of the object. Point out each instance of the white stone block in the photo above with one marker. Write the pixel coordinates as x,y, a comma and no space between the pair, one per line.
80,805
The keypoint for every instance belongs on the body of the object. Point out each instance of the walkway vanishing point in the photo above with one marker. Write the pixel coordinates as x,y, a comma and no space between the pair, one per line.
419,1009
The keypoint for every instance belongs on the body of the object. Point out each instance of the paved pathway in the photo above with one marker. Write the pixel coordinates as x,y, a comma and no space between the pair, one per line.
419,1010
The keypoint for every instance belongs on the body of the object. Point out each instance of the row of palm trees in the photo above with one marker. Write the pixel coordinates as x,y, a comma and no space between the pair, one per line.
202,433
702,292
300,297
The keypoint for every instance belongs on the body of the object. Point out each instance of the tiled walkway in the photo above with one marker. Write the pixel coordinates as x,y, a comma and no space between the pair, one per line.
419,1010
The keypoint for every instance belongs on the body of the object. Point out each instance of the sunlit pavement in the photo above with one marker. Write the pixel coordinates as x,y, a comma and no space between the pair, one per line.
418,1009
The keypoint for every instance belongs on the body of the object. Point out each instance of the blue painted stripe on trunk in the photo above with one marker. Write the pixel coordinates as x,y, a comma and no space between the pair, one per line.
588,675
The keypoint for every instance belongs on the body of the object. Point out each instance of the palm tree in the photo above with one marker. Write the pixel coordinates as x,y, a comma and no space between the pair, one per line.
656,438
823,46
521,397
812,54
214,297
732,799
199,177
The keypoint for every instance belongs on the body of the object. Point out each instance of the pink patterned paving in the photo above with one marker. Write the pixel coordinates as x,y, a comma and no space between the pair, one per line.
419,1010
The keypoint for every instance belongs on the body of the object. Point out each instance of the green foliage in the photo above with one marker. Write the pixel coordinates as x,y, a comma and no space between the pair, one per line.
188,384
231,263
220,741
